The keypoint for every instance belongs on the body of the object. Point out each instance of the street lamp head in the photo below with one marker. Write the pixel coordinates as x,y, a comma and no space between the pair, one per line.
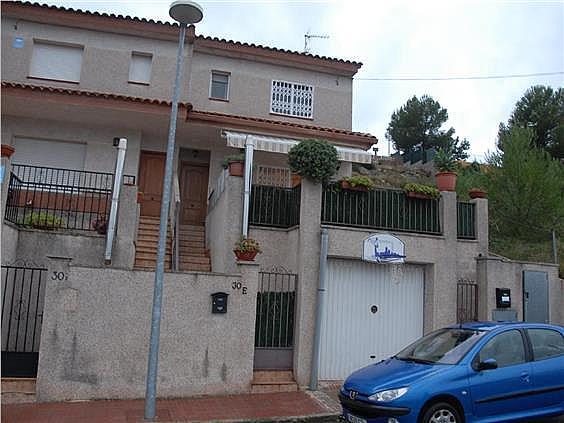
186,12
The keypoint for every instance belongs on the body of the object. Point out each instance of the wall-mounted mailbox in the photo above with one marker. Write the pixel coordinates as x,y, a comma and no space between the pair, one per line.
219,302
502,297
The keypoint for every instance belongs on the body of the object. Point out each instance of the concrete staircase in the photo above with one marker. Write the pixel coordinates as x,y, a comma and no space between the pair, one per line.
192,246
193,254
268,381
146,245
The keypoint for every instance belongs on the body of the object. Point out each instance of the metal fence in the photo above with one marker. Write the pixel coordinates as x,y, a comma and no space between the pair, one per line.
466,220
23,293
51,198
466,302
380,209
275,206
276,299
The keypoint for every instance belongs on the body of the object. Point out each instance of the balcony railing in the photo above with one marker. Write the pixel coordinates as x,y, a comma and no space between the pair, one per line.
380,209
466,220
50,198
275,206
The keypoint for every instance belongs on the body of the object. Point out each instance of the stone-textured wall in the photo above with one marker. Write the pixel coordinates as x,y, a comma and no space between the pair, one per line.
96,326
10,235
496,272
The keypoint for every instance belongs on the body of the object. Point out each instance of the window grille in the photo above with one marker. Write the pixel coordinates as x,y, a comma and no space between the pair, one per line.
272,176
292,99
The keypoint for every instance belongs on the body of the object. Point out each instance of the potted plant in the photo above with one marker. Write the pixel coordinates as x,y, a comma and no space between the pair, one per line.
446,167
7,150
235,163
100,225
316,160
424,192
357,183
42,220
246,249
477,193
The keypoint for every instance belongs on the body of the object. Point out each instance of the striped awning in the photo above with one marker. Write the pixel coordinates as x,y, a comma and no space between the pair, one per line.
283,145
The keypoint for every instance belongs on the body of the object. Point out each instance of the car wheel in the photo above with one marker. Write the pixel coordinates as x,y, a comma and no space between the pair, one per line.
441,412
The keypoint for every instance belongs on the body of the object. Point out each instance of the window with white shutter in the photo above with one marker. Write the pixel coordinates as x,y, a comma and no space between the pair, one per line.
140,68
291,99
60,62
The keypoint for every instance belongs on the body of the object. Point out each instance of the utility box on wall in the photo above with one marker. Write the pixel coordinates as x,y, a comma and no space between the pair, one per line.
502,298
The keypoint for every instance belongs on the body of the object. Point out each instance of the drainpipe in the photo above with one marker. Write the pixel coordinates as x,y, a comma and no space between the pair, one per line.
320,308
122,147
249,149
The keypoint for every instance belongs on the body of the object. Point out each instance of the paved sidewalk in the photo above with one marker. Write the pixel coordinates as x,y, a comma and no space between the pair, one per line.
287,406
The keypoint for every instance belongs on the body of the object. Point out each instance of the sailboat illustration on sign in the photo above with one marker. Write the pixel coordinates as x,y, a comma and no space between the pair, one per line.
384,249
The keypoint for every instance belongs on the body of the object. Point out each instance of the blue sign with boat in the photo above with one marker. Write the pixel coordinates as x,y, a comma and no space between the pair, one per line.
383,248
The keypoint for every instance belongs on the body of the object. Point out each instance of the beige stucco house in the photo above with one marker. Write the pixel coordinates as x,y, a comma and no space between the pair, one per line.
73,83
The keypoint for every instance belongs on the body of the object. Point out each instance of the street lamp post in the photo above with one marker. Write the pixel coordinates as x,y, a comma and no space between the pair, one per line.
184,12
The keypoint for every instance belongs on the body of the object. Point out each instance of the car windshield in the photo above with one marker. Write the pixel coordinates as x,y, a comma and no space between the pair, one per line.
444,346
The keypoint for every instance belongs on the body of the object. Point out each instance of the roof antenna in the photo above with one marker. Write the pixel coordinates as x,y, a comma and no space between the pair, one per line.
308,37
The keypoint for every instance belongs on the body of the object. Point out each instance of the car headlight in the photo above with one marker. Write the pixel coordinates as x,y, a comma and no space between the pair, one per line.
389,395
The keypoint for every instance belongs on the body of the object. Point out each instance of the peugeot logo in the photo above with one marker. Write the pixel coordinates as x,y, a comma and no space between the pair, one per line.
353,394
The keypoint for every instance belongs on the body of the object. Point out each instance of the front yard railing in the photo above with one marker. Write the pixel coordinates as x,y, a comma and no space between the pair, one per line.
50,198
275,206
380,209
466,220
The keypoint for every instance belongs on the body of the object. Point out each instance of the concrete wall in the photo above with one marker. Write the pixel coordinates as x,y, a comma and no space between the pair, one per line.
96,326
497,272
279,248
223,225
106,60
10,235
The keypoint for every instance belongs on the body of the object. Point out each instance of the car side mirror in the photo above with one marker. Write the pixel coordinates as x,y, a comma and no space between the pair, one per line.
487,364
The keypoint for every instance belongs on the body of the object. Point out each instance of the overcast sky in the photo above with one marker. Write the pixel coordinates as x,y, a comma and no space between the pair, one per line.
398,39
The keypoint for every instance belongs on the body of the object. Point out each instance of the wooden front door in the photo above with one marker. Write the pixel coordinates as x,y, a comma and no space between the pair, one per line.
193,193
151,175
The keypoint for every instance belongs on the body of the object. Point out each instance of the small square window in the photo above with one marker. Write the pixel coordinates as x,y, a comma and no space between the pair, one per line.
219,86
140,68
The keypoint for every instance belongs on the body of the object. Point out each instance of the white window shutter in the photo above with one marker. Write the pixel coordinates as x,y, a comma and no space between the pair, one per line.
56,61
140,68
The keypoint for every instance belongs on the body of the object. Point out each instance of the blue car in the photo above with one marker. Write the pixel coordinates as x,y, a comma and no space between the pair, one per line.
473,372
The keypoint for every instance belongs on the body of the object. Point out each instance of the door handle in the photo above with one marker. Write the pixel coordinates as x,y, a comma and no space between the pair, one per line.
525,377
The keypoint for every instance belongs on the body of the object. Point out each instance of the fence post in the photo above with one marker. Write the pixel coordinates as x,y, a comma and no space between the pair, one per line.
6,169
481,223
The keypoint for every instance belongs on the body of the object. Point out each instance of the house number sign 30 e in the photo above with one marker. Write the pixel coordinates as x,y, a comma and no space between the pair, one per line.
238,286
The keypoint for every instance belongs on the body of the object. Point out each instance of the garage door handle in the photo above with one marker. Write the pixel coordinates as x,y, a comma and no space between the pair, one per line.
372,357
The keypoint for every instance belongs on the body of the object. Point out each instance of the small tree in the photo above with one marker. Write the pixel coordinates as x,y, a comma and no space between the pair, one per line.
525,187
314,159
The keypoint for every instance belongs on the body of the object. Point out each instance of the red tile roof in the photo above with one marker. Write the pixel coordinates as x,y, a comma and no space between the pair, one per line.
7,5
360,139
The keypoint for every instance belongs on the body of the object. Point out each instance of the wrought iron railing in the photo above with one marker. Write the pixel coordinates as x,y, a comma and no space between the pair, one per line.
51,198
466,220
380,209
466,302
275,206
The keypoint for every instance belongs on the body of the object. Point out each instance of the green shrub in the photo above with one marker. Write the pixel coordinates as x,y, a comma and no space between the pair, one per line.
427,190
359,181
42,220
314,159
445,161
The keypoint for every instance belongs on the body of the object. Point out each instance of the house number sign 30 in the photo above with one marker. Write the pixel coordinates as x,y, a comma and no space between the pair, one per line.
238,286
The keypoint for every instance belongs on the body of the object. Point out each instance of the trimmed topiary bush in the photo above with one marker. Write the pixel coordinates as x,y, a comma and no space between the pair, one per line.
314,159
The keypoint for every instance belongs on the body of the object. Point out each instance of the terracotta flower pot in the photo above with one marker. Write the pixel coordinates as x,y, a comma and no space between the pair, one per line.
245,255
296,179
446,181
347,185
7,150
419,195
477,193
236,168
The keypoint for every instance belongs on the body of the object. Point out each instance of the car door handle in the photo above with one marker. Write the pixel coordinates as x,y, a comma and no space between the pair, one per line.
525,377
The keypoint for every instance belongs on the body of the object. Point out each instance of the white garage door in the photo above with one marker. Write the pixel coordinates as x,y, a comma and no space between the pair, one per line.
372,311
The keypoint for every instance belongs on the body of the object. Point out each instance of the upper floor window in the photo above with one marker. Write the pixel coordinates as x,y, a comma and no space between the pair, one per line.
292,99
140,68
219,85
59,62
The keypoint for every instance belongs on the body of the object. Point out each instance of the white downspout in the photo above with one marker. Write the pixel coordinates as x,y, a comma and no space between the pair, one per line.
122,147
249,148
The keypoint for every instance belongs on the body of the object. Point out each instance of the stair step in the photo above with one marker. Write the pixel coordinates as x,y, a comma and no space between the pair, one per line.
194,260
143,255
271,388
192,246
198,228
273,376
195,268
